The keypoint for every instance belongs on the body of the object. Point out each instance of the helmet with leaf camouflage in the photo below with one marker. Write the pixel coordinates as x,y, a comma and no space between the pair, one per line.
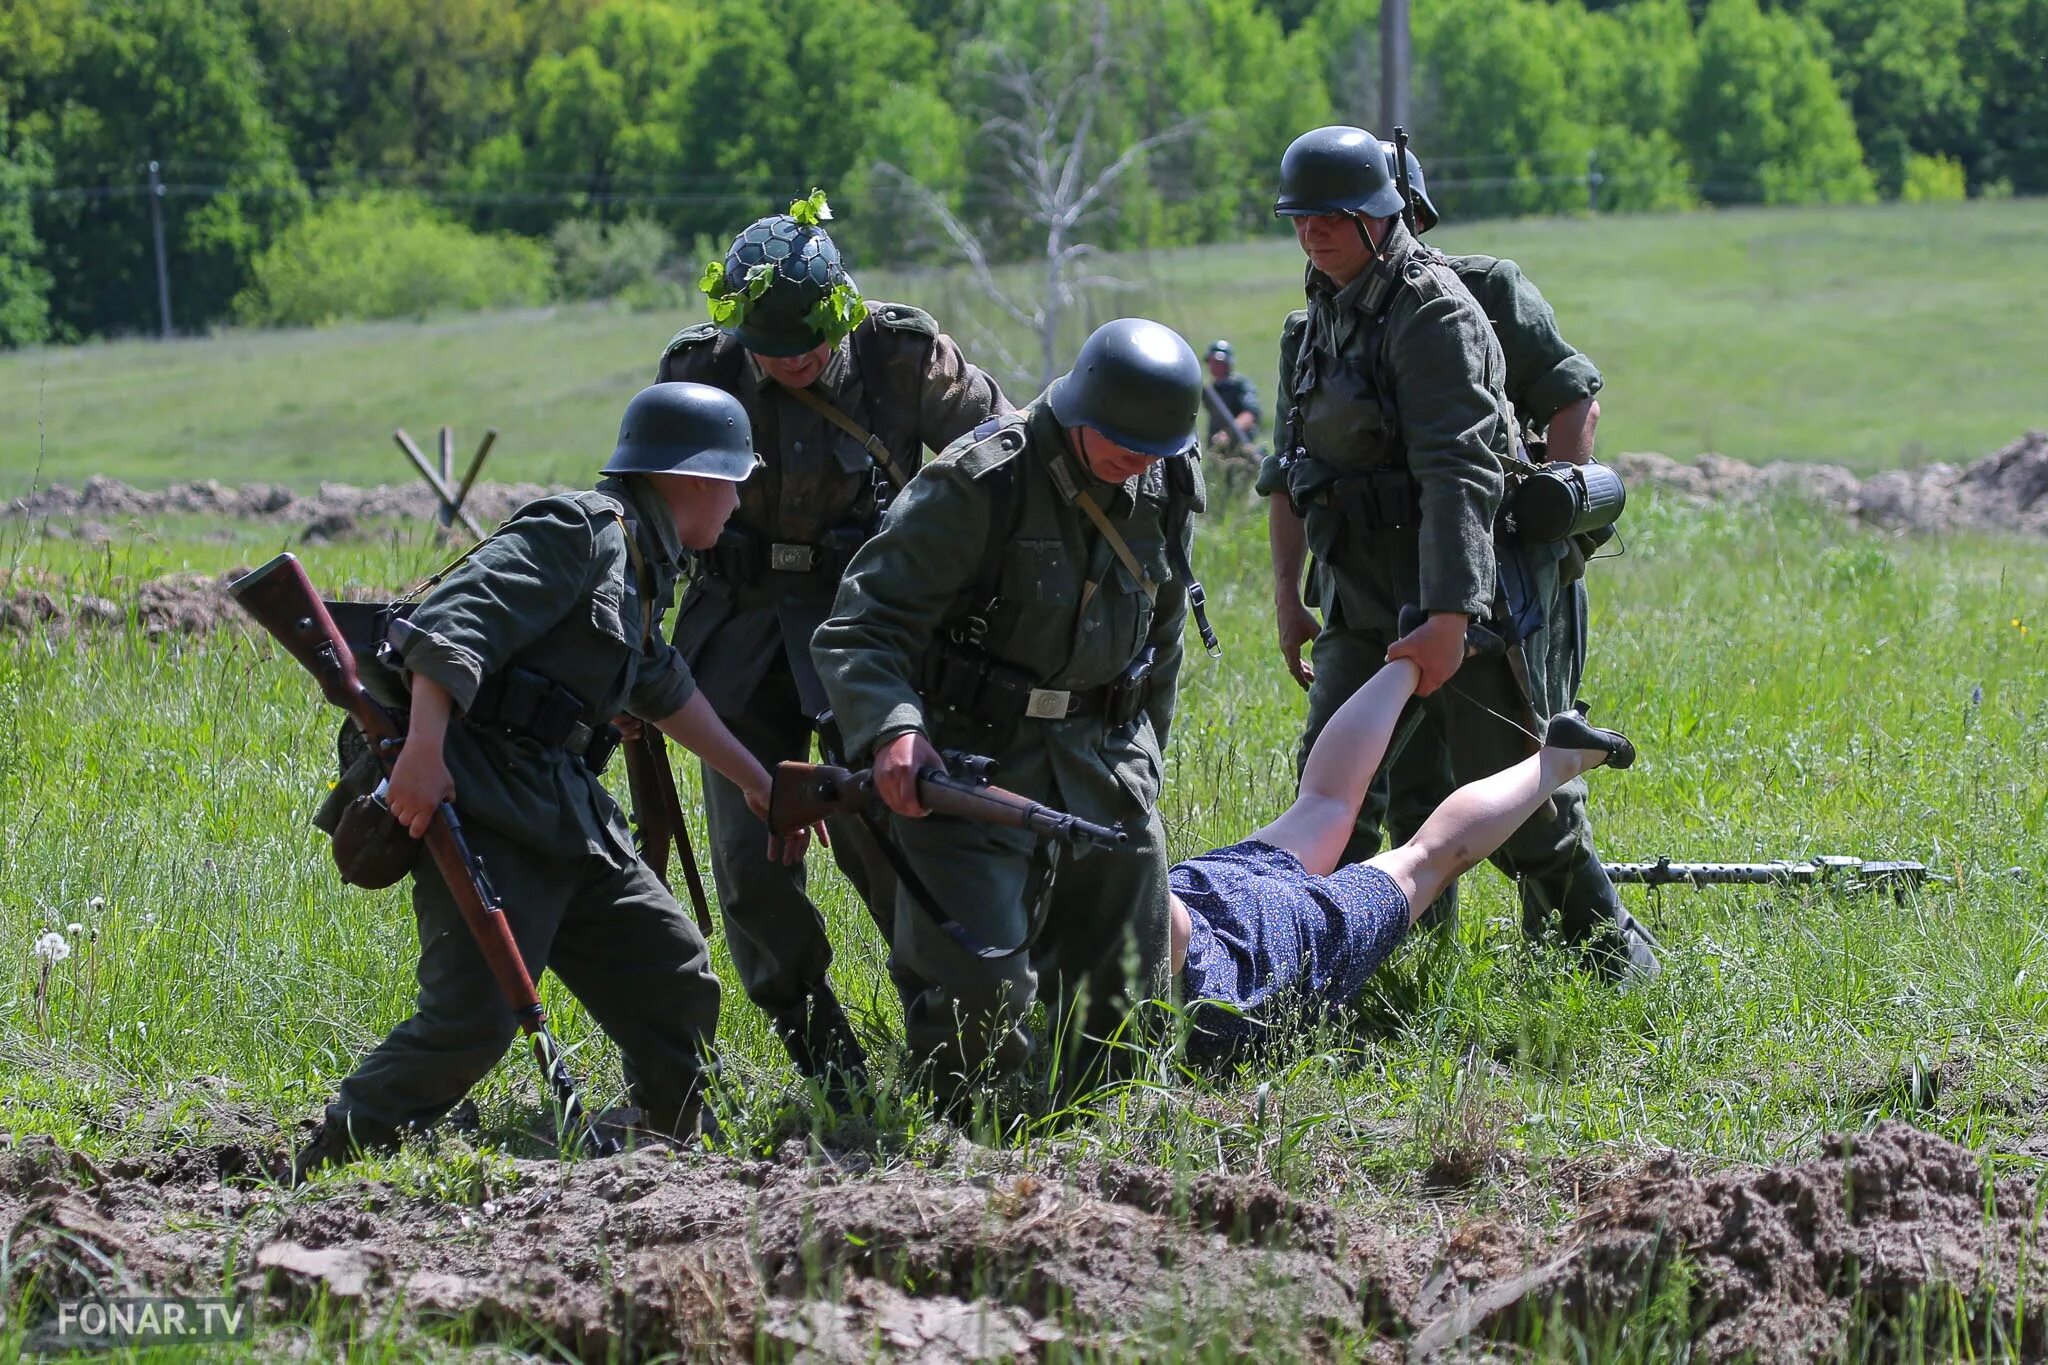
782,289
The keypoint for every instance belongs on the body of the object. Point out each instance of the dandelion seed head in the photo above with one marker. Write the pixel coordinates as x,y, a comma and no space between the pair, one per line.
52,947
74,929
96,903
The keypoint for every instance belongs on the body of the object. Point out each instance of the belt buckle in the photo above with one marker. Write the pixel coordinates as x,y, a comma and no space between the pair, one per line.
1047,703
787,558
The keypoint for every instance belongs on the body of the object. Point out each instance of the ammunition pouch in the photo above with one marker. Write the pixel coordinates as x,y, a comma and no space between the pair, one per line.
528,705
1129,693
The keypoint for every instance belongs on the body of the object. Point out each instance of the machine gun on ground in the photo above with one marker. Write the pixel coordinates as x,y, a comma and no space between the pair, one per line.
1836,873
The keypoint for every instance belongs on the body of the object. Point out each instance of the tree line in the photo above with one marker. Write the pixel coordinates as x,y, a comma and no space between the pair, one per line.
325,158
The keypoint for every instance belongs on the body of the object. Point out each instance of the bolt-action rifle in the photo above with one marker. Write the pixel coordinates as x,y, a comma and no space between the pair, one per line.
805,793
1845,874
281,598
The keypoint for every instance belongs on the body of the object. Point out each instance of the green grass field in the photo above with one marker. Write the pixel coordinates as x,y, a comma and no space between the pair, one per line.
1796,686
1868,336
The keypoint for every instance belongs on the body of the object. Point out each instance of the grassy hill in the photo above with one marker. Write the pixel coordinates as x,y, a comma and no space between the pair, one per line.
1869,336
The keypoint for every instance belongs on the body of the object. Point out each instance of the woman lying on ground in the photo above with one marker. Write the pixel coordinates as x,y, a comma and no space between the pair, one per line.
1275,916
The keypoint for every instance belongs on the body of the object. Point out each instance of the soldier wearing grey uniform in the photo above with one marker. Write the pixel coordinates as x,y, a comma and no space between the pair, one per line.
842,417
1022,600
1551,387
1396,430
516,660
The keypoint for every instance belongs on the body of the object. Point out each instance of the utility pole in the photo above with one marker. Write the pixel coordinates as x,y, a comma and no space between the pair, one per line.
1395,58
156,231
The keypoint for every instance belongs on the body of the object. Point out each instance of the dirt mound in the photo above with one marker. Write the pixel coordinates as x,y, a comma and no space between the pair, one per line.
32,602
1885,1235
100,498
2005,491
970,1254
652,1253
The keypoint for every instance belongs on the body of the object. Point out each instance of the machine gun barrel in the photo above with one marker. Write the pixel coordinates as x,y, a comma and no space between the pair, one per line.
1849,873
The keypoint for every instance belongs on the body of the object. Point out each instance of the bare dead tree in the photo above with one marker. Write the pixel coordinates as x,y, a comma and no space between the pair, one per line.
1043,129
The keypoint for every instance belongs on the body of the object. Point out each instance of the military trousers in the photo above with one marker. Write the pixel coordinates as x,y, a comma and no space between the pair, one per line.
1097,945
773,930
1552,854
614,936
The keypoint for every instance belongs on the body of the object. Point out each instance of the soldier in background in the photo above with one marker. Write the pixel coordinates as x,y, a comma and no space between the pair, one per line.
1240,397
845,396
1551,386
1024,600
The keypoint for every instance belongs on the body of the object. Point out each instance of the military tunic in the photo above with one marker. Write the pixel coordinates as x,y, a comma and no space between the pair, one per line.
1414,378
746,622
553,592
1545,374
1069,615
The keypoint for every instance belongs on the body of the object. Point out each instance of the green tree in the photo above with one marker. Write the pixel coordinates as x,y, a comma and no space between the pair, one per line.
1765,122
24,283
1900,64
387,255
2003,58
383,89
173,81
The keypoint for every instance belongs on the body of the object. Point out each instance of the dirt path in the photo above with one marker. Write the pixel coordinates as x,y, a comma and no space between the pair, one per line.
981,1255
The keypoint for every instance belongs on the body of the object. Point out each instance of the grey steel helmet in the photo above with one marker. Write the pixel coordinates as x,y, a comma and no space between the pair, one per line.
1137,383
1219,347
1338,169
680,428
1426,216
806,268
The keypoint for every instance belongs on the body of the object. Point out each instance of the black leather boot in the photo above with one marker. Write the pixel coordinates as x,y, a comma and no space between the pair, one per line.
822,1044
339,1140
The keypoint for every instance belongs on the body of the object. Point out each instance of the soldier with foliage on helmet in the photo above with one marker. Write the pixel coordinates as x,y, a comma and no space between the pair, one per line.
1024,600
517,660
1550,386
846,394
1395,435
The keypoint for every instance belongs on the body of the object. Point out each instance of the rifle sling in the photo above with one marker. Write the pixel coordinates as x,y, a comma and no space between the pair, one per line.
1122,548
870,442
656,747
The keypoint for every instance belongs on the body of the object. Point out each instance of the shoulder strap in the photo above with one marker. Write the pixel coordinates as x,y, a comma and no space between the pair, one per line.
878,452
1006,511
1064,480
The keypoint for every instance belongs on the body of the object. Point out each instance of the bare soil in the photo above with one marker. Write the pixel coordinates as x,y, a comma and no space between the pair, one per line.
2005,491
982,1255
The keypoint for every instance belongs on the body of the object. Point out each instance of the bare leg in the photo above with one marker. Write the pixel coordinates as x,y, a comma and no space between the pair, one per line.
1476,819
1340,768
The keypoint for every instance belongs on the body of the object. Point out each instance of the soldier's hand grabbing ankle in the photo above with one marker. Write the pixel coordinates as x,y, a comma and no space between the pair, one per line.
897,764
1437,646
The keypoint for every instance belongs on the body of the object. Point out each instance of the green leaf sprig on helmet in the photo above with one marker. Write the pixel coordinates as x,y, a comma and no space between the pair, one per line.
782,288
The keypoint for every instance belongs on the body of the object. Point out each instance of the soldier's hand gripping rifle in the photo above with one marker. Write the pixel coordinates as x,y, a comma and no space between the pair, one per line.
281,599
805,793
1845,874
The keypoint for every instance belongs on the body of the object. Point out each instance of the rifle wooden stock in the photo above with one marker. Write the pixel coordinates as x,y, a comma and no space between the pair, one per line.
805,793
281,599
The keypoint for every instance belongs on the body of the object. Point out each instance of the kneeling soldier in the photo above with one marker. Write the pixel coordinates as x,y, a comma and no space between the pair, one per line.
516,661
1024,599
